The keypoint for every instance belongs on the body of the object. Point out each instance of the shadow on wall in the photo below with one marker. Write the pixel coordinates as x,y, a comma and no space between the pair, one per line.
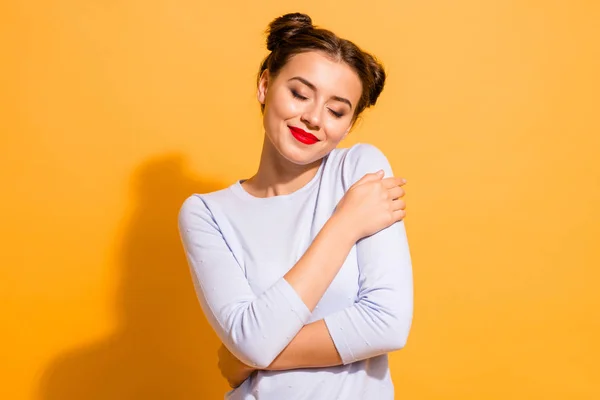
163,347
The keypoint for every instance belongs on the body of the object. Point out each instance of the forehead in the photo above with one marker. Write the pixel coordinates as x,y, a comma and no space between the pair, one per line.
334,77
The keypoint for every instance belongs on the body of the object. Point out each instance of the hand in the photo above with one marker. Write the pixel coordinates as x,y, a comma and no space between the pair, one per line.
232,369
372,204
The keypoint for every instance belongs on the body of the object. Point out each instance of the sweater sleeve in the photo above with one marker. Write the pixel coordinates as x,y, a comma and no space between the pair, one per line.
380,319
253,328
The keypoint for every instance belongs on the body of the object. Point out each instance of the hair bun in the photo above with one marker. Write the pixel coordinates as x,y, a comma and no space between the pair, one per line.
378,78
286,26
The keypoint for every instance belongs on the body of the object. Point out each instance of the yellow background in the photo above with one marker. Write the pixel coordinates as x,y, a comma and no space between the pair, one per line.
111,113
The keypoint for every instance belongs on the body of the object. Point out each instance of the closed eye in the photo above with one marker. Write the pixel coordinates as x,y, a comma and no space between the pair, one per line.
302,98
298,95
335,113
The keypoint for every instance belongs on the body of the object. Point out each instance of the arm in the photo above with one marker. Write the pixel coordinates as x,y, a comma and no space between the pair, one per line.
237,315
311,348
380,320
374,326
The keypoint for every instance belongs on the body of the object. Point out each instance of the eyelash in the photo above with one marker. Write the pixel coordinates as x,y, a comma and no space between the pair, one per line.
302,98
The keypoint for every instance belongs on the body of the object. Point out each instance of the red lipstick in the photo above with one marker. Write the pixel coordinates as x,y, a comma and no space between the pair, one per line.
303,136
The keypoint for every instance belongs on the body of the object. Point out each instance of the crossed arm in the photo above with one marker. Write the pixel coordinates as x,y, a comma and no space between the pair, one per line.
314,346
377,323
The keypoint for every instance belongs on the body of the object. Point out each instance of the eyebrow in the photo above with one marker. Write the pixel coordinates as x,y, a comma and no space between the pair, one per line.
313,87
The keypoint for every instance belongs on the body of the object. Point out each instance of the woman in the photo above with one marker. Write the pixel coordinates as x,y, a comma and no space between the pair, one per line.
303,270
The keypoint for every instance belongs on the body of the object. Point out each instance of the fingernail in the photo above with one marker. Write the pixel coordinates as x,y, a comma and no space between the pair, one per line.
403,180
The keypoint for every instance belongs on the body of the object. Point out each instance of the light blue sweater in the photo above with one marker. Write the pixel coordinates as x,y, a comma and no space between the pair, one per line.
239,247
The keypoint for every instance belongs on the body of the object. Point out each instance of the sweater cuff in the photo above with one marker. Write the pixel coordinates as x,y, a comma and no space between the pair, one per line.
294,300
339,331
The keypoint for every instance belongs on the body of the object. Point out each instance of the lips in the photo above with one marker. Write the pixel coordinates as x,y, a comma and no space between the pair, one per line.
302,136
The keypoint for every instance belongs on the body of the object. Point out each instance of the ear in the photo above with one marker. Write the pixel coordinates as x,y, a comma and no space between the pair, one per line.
263,84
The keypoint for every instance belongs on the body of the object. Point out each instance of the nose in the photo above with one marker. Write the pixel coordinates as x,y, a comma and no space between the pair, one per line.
312,118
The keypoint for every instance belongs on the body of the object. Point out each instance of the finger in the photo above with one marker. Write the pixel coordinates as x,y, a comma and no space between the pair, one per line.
373,176
395,193
393,181
398,215
398,205
370,177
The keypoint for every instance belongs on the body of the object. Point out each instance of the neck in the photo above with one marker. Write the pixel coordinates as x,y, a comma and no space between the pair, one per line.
277,176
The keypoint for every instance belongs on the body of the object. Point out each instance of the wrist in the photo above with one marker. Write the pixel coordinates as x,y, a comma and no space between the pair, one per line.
343,228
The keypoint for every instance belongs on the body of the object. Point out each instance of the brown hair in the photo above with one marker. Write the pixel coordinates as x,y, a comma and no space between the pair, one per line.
292,34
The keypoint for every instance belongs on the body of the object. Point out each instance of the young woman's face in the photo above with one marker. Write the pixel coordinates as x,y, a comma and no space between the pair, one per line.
313,94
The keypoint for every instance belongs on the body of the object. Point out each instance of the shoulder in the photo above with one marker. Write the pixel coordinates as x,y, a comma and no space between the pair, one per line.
200,207
360,153
366,153
359,160
192,209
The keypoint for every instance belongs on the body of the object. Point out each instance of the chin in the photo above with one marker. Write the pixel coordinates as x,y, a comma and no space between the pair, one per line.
294,151
297,154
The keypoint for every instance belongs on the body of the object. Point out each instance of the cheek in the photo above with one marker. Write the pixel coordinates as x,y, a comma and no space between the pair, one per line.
336,129
282,106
